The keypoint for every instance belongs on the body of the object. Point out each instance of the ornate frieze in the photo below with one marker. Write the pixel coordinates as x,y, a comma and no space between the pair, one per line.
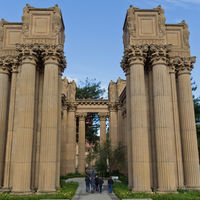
158,54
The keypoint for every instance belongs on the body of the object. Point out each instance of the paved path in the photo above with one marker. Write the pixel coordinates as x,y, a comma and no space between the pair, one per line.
81,194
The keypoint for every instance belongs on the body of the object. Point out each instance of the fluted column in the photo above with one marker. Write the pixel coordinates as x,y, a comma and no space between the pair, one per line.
81,143
23,138
187,123
119,122
163,120
11,116
102,117
71,139
52,56
113,125
126,69
4,99
178,149
139,124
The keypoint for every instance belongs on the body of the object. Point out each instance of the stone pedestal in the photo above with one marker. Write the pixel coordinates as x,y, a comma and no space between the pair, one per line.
4,99
23,138
7,169
187,123
81,143
102,117
163,121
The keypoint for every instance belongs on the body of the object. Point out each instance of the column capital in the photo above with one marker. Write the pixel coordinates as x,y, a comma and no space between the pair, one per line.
71,106
5,64
102,116
53,54
158,54
135,54
112,107
28,53
81,116
185,65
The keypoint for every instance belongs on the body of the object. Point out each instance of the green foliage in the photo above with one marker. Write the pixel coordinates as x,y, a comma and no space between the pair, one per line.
107,159
90,89
67,191
122,191
72,175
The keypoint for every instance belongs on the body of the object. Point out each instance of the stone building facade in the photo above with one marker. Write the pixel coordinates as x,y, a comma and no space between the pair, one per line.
151,112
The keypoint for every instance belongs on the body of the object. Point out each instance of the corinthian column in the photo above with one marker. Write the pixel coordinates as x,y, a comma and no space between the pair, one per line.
163,120
23,139
81,143
71,139
7,169
52,56
102,117
187,122
139,124
4,95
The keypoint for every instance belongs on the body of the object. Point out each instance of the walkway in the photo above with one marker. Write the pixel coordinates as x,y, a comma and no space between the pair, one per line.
81,194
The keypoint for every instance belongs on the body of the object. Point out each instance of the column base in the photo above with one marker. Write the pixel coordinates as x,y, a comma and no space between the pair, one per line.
45,192
5,189
139,190
159,191
22,193
192,188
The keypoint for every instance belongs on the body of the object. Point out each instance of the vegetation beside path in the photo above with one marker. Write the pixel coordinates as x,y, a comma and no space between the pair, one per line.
67,191
121,191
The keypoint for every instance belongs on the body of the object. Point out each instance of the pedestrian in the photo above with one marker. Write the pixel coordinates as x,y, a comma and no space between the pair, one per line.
100,184
96,183
110,184
87,183
92,183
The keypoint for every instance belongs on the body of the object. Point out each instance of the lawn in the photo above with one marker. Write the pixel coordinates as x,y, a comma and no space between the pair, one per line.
121,190
66,191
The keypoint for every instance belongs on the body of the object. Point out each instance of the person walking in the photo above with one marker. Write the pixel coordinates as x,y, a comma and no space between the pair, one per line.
97,183
87,183
92,182
110,184
100,184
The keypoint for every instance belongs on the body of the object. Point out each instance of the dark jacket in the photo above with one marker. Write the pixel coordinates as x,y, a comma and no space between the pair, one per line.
87,180
101,181
110,181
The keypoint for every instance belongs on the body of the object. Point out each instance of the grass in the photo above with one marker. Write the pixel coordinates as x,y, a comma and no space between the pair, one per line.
121,190
66,191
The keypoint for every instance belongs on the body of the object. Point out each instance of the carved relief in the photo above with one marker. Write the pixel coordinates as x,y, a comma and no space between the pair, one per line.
186,34
161,21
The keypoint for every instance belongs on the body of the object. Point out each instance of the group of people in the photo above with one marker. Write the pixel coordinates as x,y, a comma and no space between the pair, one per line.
95,183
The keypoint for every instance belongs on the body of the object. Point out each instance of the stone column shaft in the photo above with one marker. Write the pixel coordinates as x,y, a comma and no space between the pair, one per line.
23,139
71,141
102,117
139,129
188,128
7,170
4,95
81,143
163,121
49,131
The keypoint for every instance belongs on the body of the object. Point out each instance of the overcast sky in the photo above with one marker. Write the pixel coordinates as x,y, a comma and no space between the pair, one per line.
93,30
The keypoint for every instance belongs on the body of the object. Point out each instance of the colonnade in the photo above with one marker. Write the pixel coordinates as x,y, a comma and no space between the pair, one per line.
30,101
172,162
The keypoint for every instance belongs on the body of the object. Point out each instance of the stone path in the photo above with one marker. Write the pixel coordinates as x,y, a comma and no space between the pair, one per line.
81,194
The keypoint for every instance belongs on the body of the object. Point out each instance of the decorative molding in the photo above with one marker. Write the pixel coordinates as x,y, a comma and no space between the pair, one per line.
92,102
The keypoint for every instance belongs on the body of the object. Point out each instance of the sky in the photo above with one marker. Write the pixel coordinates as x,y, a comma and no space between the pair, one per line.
93,29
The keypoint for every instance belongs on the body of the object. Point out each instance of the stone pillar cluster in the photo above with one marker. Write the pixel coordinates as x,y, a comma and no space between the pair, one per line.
172,162
31,118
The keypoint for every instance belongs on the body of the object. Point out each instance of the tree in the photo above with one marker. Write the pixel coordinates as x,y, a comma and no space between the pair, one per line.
91,89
